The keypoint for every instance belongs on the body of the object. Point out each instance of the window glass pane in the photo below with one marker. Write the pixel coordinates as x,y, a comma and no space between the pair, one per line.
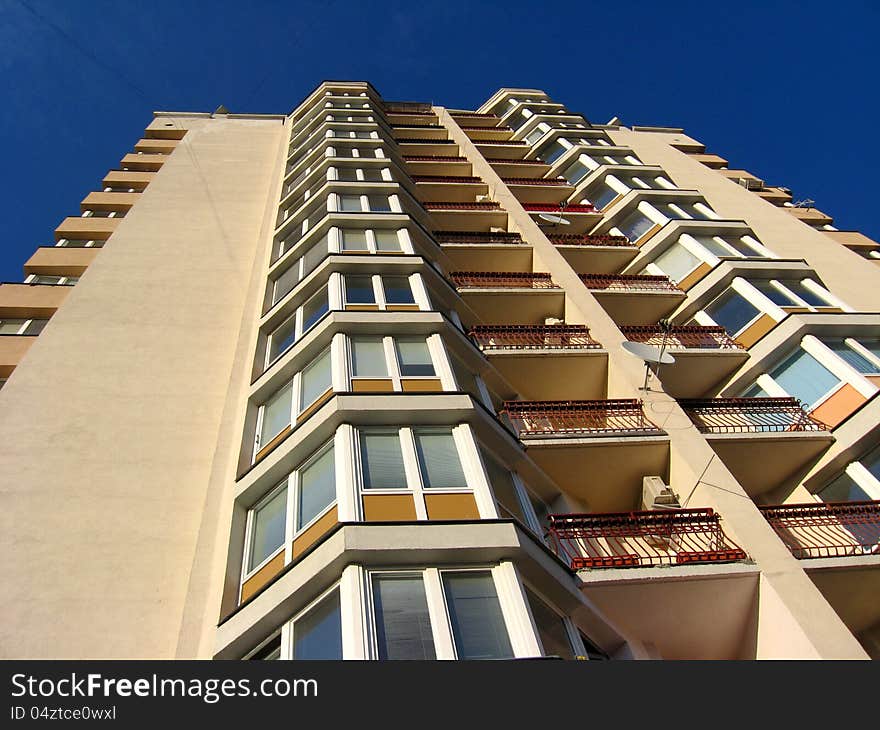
551,153
382,460
714,246
276,414
282,338
846,353
284,284
732,311
504,489
36,326
316,380
804,377
314,309
438,459
387,241
477,623
354,239
268,529
318,634
635,225
814,300
403,626
774,294
359,290
317,488
11,326
350,203
575,172
368,357
677,262
414,358
271,651
843,489
754,391
397,290
379,203
871,462
346,174
314,256
551,629
601,195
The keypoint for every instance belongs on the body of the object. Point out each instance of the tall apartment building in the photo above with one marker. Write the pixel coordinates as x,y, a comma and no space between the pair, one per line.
352,383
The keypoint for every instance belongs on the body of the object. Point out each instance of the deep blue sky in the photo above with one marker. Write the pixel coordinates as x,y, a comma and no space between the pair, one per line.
777,88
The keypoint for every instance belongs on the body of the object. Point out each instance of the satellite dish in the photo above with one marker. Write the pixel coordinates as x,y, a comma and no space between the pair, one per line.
648,353
554,219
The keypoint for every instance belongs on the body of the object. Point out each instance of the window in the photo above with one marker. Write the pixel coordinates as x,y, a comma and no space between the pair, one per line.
414,358
410,608
311,489
368,358
299,269
22,326
317,633
364,203
316,380
635,225
808,295
804,377
552,629
398,290
478,627
275,416
295,326
267,531
439,464
504,489
552,152
354,239
359,290
371,241
575,172
847,350
403,625
52,280
601,195
350,203
382,460
387,241
677,262
732,311
844,489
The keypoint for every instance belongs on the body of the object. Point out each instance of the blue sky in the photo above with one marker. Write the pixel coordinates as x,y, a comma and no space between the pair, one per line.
777,88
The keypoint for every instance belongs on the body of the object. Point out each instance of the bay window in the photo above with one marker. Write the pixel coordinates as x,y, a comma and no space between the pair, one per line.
378,292
732,311
297,324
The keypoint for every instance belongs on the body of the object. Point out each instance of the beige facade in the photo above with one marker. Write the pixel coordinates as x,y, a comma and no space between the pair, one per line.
368,360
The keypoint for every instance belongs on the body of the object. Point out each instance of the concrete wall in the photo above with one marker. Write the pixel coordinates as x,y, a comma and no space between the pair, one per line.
108,432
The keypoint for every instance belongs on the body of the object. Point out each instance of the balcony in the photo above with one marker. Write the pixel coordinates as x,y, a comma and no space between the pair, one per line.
421,147
31,301
827,529
581,217
601,254
77,228
109,201
811,216
437,165
510,297
612,441
419,131
485,132
466,216
704,356
634,299
838,543
506,150
143,162
482,251
518,168
544,362
12,350
128,179
777,196
641,539
538,190
449,188
763,441
60,261
156,146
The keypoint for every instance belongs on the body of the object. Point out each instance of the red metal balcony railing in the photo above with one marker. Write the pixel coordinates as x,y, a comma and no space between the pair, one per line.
629,282
555,208
422,140
534,337
501,280
827,529
632,539
483,127
573,417
534,181
416,126
477,237
501,161
407,107
683,336
465,179
585,239
432,158
461,206
749,415
505,143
